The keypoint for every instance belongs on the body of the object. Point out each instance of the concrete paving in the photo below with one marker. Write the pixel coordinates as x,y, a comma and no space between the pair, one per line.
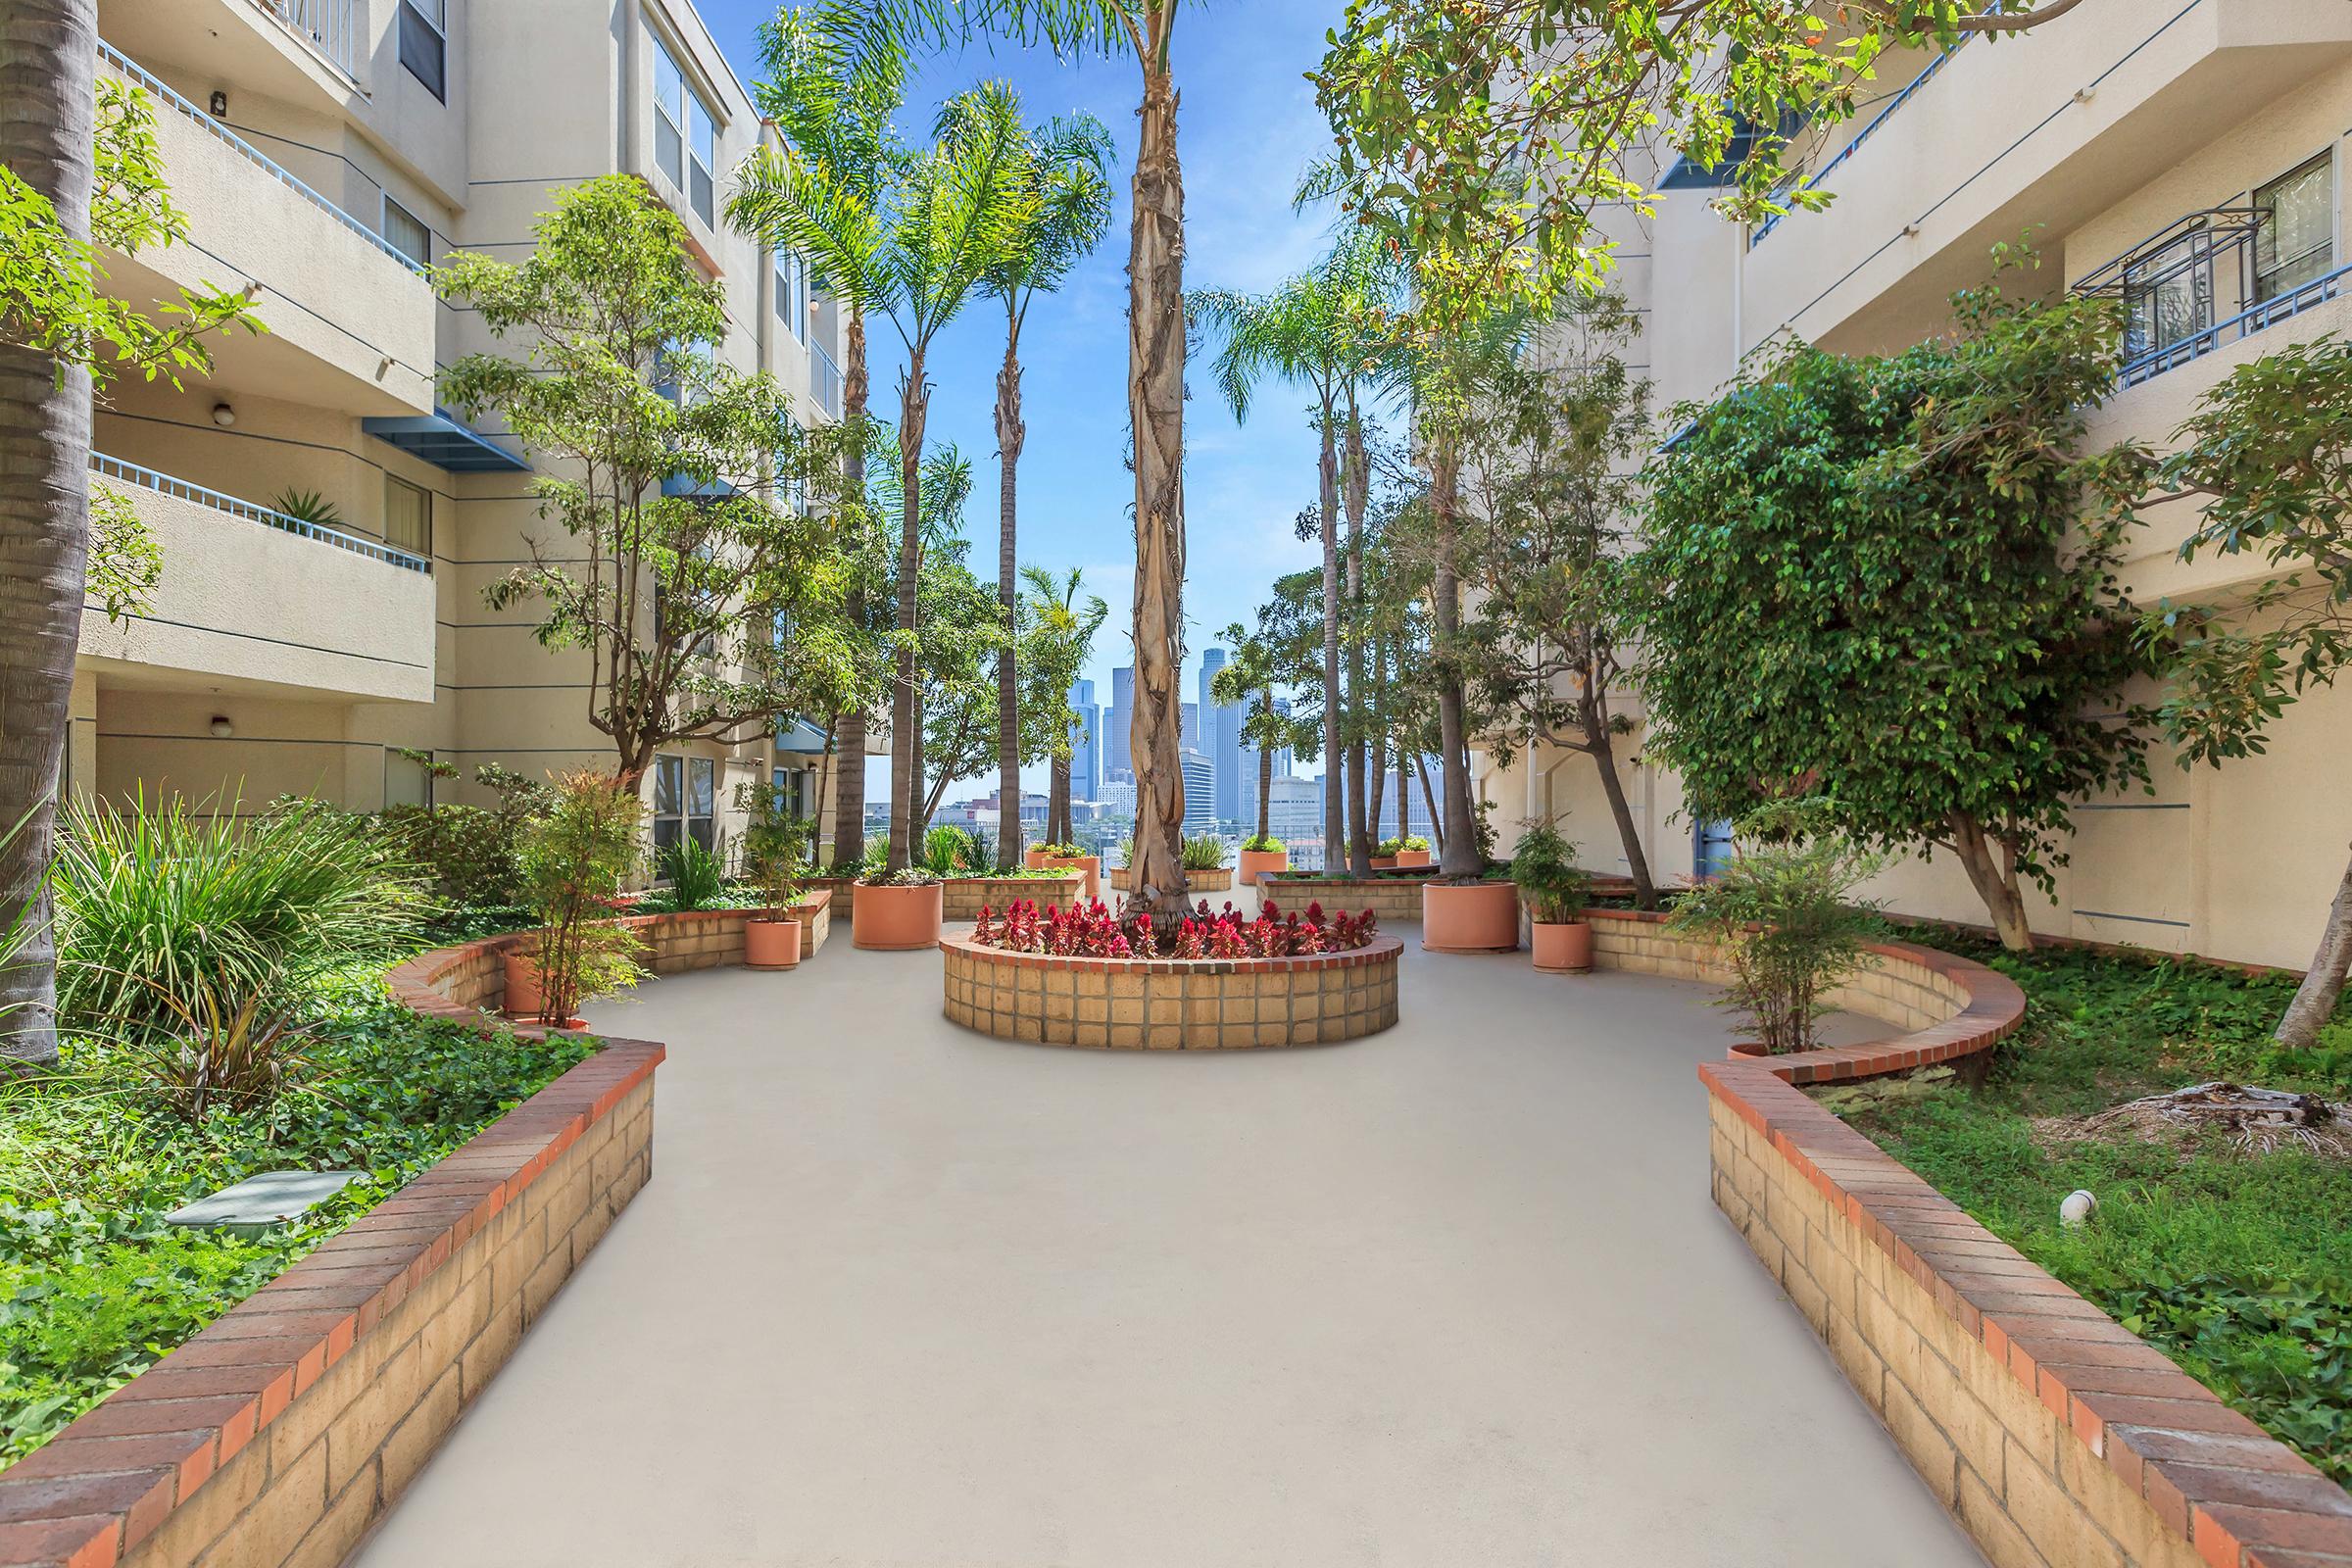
903,1297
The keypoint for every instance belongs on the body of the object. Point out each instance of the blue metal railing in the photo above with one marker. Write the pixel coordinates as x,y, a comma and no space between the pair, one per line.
122,63
1864,134
148,479
2244,324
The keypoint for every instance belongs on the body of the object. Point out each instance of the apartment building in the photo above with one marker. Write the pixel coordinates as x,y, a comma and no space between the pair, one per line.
326,152
2186,156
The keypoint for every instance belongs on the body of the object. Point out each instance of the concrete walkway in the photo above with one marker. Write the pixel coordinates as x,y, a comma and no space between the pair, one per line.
902,1296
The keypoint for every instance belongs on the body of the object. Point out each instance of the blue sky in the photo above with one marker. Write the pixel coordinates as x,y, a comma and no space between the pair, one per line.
1248,126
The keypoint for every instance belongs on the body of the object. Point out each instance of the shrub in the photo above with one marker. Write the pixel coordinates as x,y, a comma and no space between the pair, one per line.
773,844
1413,841
1388,849
948,851
1554,885
574,860
1063,851
232,1049
697,877
1784,916
1203,853
1264,844
155,905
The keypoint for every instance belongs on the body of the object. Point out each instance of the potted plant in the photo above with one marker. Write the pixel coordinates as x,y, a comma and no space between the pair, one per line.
774,841
1070,858
1205,869
1412,850
1784,916
573,862
1263,855
1384,853
1555,890
898,912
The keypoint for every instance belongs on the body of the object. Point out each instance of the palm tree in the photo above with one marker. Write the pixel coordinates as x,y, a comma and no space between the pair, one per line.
1068,166
1313,330
946,216
835,115
1060,624
1155,349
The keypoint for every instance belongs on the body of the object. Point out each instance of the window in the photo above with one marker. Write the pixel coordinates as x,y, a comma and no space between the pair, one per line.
685,135
2168,295
425,43
685,799
408,516
792,791
791,293
2296,240
407,233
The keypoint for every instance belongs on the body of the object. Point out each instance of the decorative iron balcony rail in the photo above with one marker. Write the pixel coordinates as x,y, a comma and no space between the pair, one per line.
148,479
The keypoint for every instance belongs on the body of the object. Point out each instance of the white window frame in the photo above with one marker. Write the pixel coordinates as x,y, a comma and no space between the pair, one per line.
383,228
702,201
2254,275
674,772
434,14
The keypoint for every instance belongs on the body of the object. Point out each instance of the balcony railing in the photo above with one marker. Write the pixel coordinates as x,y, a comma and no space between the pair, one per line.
2244,324
329,27
165,96
2185,270
825,381
148,479
1756,237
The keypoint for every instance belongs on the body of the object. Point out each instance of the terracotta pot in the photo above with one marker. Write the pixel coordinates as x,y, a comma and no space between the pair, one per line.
1091,864
1033,858
1260,863
1384,863
1565,948
522,986
1748,1048
897,919
1410,857
771,943
1469,917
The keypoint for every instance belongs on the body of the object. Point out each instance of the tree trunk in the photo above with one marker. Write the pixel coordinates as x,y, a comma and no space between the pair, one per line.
848,806
1155,406
1437,823
1376,799
1265,782
1994,878
2323,982
905,727
1404,809
1461,855
1336,834
1059,829
48,59
1601,748
1355,478
1011,434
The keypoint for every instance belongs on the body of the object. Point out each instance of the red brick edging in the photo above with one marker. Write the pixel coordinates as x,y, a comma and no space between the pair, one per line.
221,1452
2038,1419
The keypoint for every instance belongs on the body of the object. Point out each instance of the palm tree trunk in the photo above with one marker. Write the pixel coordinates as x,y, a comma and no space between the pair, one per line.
1011,434
1461,858
1155,406
1265,781
48,58
1355,479
1057,804
849,803
1335,834
905,723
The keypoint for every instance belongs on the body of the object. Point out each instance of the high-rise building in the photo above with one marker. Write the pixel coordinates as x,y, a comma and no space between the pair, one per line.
1199,791
1221,738
1294,815
1086,745
1191,725
1118,724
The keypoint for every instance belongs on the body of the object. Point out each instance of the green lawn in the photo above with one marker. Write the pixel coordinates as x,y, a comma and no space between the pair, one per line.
2238,1267
94,1286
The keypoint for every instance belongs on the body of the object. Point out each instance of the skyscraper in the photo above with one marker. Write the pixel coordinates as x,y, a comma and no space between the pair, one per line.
1086,745
1118,722
1191,725
1221,738
1200,789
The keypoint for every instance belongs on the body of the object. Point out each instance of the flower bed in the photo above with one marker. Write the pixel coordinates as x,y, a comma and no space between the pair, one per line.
1394,896
2052,1432
1219,981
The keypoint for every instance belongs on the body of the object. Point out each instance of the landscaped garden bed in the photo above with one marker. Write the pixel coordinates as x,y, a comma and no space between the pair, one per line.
1218,982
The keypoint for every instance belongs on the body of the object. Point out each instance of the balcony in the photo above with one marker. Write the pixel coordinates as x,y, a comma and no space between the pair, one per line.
331,27
824,381
2003,136
351,320
249,594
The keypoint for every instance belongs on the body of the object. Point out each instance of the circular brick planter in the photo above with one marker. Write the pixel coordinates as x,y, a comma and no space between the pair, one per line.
1173,1004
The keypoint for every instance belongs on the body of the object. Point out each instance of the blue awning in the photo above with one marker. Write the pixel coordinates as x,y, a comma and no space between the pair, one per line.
445,441
800,736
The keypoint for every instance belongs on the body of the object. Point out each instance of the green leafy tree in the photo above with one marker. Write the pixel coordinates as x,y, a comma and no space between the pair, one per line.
941,220
839,156
1251,678
1069,173
1058,640
1491,135
79,175
1155,345
1889,581
1552,504
2268,456
671,469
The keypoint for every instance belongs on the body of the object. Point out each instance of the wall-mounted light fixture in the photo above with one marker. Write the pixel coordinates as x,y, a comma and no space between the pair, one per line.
223,729
220,104
223,415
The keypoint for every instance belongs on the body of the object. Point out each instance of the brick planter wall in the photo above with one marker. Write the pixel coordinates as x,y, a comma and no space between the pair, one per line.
2056,1437
1394,899
1198,882
962,896
1172,1003
279,1433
